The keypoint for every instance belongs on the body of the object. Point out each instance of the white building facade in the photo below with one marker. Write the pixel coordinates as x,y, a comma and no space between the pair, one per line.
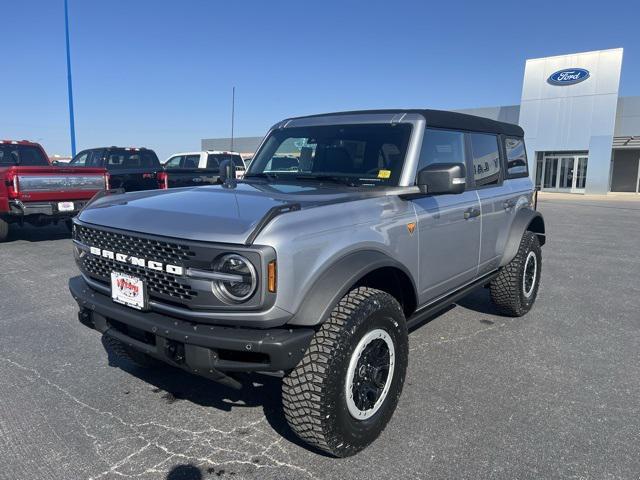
581,137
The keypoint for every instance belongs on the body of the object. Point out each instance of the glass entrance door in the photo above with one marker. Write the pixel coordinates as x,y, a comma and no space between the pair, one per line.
550,173
581,174
564,173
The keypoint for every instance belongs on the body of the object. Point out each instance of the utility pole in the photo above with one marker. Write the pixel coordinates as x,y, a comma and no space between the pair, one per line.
69,87
233,106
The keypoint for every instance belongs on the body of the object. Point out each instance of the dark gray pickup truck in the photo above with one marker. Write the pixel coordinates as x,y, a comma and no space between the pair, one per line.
348,230
130,168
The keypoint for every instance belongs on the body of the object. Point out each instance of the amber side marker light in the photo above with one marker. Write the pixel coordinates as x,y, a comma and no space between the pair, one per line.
271,276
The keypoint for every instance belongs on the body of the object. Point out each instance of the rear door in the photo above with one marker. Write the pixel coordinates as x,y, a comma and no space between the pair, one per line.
448,225
495,197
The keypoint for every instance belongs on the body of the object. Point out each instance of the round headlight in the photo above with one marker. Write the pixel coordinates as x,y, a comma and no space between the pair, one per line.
241,279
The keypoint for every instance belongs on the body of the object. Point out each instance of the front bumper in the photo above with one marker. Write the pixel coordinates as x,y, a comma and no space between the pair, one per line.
203,349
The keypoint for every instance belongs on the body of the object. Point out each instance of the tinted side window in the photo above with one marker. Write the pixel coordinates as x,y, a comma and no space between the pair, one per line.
174,162
80,159
486,159
213,162
516,157
191,161
441,146
95,160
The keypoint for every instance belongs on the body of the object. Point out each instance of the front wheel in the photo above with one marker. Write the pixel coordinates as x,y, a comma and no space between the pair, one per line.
515,288
345,389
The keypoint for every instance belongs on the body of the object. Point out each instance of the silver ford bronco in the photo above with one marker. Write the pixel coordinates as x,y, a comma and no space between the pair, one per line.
347,230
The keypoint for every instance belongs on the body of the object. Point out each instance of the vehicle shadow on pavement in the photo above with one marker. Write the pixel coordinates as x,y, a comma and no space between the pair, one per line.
29,233
480,301
258,390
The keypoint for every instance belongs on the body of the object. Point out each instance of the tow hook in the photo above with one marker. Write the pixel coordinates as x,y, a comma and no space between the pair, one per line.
175,351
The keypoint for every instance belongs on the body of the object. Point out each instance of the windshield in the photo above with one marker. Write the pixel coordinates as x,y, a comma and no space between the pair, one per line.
360,155
24,155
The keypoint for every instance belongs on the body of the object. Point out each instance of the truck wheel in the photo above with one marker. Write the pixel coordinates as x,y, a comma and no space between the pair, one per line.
344,391
515,288
115,347
4,230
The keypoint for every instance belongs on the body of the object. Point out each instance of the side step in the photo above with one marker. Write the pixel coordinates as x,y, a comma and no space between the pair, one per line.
441,303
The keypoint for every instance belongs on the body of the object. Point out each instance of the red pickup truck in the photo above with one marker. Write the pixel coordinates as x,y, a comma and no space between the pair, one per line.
36,192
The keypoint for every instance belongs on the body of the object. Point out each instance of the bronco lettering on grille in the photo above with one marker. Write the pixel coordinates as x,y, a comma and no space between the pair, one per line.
136,261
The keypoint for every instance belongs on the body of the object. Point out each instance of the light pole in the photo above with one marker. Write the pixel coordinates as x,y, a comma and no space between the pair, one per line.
69,87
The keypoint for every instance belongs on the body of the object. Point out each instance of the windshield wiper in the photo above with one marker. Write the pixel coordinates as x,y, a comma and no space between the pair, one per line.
268,176
328,178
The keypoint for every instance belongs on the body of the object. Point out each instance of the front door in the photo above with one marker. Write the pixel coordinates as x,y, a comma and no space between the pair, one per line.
449,238
448,225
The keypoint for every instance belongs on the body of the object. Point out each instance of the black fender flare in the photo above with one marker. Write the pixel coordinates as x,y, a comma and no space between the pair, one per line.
336,280
526,219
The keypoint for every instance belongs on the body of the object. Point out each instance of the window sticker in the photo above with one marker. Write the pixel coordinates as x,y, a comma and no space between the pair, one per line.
384,174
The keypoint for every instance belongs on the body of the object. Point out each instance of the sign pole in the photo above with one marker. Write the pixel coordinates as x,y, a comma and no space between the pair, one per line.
69,87
233,106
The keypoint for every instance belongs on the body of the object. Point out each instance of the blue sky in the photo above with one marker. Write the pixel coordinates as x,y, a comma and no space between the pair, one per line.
159,73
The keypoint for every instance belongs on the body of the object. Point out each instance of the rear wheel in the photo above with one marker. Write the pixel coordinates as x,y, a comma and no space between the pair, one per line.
515,289
346,388
4,230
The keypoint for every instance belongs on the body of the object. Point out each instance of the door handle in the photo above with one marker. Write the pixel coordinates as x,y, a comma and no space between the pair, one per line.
471,212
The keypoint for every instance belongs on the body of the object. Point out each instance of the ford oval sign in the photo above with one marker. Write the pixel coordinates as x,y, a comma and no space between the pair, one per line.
568,76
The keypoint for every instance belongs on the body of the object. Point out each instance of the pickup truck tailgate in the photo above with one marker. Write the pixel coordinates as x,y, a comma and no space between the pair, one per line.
54,183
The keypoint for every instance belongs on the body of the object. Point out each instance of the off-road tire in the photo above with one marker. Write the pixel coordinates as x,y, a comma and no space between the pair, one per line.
313,394
4,230
507,289
115,347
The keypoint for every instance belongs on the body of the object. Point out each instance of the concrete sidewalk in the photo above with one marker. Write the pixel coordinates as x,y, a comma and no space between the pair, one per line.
622,197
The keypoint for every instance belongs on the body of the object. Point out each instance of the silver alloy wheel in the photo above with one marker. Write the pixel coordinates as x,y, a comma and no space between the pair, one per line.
529,274
371,373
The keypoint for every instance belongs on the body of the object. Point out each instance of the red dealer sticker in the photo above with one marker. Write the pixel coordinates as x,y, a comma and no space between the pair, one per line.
128,290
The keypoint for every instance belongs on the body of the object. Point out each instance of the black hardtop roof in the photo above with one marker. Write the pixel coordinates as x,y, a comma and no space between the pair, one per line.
445,119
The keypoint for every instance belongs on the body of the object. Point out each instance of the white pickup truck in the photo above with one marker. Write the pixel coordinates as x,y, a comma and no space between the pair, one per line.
198,168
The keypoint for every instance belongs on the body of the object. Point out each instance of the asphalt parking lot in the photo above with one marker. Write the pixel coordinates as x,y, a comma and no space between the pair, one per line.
555,394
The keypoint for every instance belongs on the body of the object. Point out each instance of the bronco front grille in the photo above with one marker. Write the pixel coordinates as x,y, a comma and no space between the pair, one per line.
159,284
161,251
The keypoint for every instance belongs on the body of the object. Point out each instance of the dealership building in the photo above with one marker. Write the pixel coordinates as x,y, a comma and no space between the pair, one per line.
581,137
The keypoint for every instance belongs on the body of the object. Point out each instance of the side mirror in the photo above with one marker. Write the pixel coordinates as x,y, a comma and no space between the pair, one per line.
55,162
227,171
441,178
